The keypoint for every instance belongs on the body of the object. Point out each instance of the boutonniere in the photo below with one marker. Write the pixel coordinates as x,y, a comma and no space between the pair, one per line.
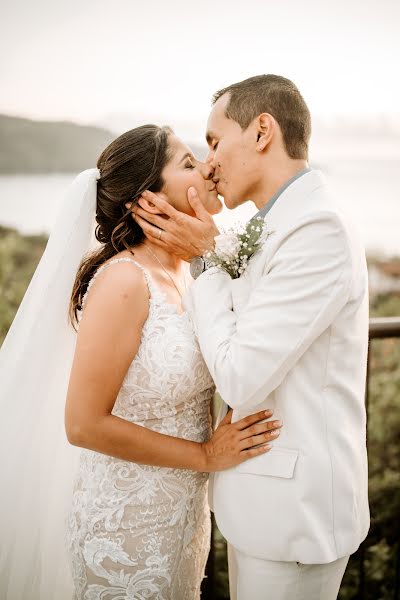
234,248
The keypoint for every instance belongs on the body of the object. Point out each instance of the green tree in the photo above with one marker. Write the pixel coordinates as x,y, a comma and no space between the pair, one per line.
19,256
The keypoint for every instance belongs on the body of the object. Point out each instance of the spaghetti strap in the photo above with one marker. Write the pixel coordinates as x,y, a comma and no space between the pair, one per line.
114,261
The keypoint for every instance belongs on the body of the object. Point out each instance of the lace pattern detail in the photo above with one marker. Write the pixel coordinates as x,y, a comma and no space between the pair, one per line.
136,531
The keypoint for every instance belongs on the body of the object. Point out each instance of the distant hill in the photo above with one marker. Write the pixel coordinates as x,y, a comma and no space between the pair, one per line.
49,147
28,146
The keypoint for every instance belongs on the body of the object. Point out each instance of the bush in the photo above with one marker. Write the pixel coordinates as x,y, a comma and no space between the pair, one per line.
380,552
19,256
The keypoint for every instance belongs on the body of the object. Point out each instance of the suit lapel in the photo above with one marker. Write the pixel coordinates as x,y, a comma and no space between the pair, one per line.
292,204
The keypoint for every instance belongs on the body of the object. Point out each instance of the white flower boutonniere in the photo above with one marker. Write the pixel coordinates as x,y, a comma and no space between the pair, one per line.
233,249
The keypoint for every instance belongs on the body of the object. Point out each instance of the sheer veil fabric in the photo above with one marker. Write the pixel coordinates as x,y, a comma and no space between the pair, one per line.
37,464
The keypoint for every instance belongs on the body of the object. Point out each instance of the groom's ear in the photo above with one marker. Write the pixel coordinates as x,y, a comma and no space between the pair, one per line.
265,131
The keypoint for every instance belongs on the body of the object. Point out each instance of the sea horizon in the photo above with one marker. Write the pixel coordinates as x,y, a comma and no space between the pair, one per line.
367,190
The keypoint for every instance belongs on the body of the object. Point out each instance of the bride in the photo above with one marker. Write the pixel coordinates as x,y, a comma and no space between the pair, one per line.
137,395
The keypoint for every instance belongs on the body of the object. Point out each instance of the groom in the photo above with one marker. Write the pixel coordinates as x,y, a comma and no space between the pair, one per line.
290,334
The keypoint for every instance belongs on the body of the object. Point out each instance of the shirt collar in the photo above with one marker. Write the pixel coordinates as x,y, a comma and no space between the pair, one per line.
265,209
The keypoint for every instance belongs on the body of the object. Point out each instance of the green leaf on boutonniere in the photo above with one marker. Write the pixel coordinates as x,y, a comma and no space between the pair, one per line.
234,249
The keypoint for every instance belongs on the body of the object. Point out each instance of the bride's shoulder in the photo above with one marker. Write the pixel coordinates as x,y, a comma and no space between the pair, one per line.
118,285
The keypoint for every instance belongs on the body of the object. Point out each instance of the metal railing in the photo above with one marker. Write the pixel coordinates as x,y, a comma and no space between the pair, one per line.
379,328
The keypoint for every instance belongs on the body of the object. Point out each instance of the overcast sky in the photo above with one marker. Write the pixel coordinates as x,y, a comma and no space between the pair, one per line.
88,60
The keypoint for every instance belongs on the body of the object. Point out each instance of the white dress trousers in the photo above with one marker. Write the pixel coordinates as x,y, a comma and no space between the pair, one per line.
258,579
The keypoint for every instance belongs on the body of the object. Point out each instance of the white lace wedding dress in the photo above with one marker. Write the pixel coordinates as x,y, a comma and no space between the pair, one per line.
134,531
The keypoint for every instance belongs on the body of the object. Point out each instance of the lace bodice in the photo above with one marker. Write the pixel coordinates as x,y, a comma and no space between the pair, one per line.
139,530
168,380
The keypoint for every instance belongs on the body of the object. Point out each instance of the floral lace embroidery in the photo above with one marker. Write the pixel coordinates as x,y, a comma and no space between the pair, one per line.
136,531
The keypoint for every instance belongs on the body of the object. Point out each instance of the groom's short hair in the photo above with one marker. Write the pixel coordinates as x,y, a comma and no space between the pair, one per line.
280,98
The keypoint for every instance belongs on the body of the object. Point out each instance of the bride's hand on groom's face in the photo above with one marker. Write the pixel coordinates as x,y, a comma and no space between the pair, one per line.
181,234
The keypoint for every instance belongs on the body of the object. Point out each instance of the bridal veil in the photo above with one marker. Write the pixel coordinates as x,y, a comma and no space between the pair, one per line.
37,464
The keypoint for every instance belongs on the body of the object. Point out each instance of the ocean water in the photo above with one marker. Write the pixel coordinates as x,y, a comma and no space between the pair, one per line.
369,191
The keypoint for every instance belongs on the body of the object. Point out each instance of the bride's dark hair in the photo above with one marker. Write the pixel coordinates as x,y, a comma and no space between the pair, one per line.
130,165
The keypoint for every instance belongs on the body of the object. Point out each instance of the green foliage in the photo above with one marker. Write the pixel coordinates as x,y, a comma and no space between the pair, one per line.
382,546
19,256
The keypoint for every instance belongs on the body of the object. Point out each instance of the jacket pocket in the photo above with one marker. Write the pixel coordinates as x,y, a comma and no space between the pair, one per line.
278,462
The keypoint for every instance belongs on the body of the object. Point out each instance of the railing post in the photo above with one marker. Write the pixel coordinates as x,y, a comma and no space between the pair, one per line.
361,585
397,574
208,584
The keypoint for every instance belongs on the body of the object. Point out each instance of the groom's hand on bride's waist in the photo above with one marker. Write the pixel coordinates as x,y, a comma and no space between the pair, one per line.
181,234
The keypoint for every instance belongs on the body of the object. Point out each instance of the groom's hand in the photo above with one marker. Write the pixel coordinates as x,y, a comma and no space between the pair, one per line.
181,234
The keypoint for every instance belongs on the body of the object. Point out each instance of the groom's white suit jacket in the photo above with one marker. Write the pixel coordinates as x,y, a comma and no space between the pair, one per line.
292,335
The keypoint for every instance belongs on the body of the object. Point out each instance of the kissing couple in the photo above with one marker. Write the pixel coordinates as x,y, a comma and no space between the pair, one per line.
134,318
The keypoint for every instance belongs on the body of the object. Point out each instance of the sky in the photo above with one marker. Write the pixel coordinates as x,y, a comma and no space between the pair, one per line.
135,61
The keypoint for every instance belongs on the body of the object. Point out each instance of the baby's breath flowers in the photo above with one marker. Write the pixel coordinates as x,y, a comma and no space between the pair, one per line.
234,248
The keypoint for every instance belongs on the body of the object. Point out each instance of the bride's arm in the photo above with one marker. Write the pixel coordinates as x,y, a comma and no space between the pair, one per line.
107,342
